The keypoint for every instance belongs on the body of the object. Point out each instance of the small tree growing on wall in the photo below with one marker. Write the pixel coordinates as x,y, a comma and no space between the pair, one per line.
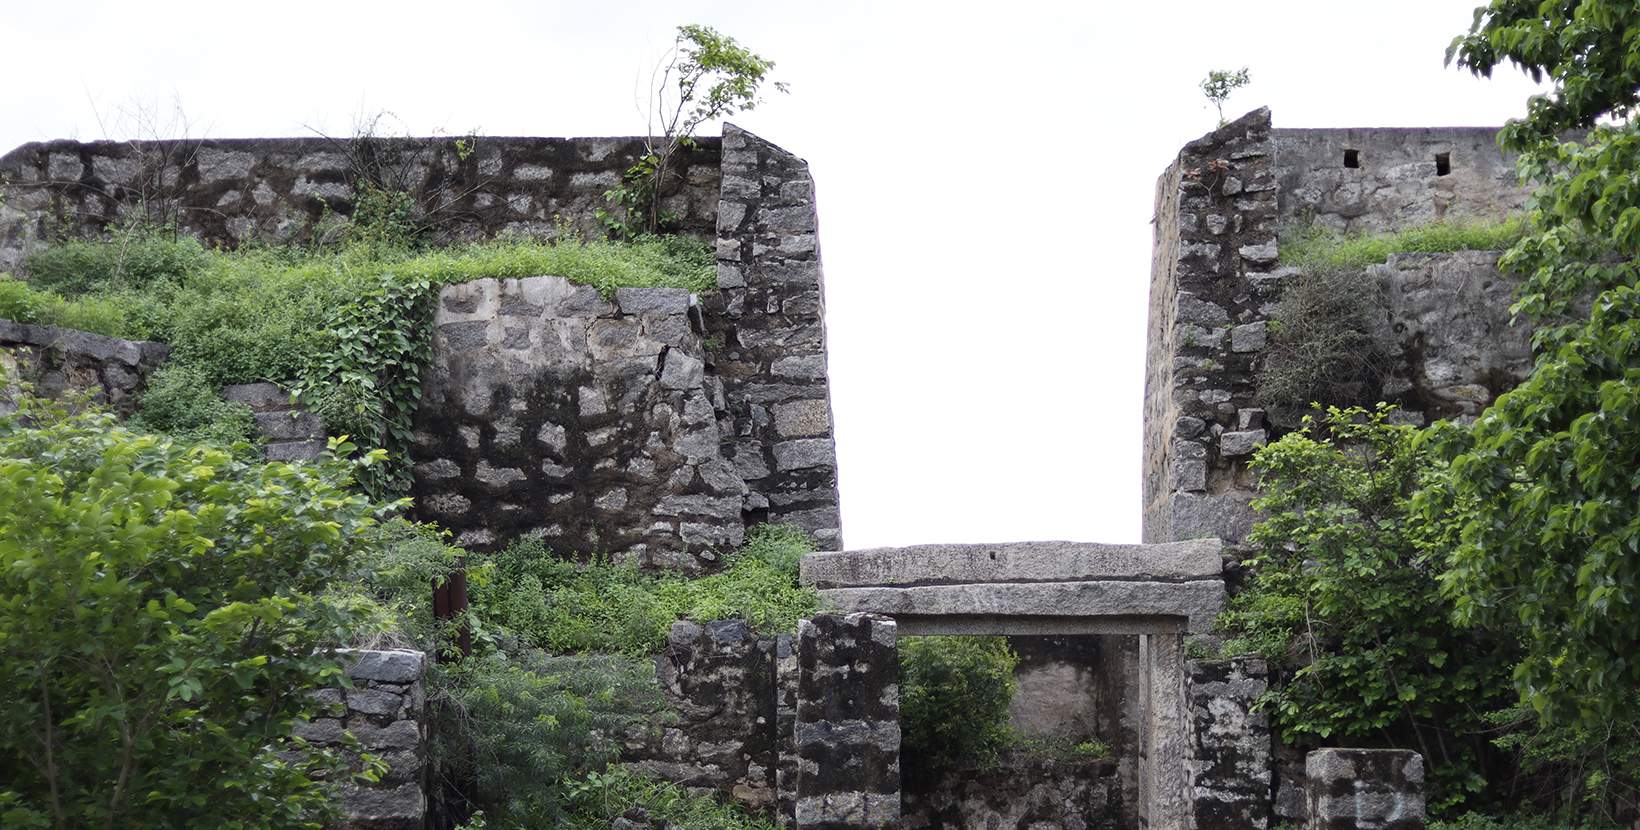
706,76
1218,85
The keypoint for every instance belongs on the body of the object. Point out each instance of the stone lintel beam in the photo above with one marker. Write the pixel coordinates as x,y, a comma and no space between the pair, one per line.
914,626
1200,601
1017,562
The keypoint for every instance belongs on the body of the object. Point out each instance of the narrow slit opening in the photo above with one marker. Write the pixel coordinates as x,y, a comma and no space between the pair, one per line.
1352,158
1443,164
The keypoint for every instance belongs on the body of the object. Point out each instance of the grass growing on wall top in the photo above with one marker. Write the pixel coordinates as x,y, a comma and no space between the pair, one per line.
599,606
1318,247
349,326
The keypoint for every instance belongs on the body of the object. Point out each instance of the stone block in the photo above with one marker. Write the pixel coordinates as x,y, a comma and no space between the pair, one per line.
804,453
384,665
1365,789
1188,474
1248,338
288,451
257,396
653,300
291,425
1066,605
1233,444
802,419
1019,562
398,808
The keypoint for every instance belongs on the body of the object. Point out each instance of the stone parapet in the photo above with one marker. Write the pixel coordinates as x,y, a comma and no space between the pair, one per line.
231,191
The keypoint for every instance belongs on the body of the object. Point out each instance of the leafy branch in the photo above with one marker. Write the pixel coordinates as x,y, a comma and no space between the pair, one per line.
706,76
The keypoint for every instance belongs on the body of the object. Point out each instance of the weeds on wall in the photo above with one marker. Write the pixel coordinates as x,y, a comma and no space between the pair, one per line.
1319,346
1315,247
348,325
566,606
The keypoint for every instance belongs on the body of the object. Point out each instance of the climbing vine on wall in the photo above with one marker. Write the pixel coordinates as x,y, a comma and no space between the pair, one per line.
368,383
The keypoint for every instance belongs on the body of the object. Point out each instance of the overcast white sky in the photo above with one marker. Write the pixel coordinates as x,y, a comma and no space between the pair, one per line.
985,176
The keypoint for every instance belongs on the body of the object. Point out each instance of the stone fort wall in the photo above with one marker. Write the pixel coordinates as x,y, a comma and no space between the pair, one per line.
655,427
1441,320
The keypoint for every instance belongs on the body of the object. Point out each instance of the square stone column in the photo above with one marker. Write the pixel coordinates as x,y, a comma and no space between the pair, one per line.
847,730
1165,744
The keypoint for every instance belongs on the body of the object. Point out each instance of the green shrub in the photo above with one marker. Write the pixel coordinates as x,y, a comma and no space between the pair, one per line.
599,799
159,626
180,403
1320,346
135,257
1342,568
22,303
1317,247
515,731
954,696
598,606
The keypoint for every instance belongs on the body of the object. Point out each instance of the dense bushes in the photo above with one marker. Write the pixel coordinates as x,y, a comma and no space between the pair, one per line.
598,606
160,623
954,696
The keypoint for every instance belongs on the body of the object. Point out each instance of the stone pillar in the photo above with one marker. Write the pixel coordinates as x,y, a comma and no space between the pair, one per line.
785,723
847,729
1230,776
769,320
1163,782
1365,789
386,711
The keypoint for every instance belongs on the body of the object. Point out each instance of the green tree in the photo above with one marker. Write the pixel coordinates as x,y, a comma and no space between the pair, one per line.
1544,523
158,629
706,76
1342,575
1218,85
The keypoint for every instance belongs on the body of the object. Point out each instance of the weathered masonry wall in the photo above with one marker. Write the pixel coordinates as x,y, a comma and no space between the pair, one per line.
655,427
1442,327
57,361
806,725
230,191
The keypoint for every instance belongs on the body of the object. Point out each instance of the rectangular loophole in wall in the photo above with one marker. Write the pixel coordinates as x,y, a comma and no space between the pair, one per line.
1443,164
1352,158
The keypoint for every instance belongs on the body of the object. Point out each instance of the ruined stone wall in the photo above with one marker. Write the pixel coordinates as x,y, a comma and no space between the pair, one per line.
653,427
1442,341
1019,794
230,191
113,372
1376,180
805,726
1212,288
